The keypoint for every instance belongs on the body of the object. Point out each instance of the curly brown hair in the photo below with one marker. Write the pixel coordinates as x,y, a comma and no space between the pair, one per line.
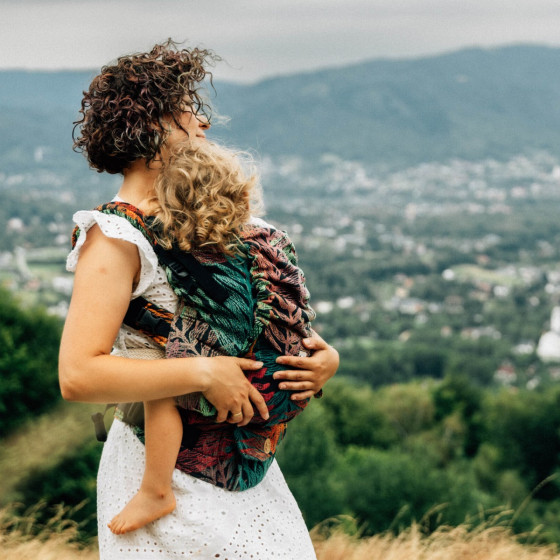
125,109
203,197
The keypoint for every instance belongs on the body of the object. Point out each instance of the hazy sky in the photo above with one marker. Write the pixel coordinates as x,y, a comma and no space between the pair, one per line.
261,38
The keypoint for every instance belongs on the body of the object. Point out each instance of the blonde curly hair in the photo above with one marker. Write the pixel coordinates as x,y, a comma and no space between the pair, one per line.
204,196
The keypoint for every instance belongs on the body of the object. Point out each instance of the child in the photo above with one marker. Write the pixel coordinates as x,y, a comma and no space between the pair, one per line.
202,205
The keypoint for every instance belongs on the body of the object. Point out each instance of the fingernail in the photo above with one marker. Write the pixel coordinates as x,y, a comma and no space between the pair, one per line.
307,340
282,385
280,360
259,364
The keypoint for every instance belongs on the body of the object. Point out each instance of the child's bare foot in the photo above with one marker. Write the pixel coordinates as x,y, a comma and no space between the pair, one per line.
141,510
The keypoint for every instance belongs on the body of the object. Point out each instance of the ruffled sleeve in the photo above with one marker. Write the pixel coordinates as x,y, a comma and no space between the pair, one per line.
116,227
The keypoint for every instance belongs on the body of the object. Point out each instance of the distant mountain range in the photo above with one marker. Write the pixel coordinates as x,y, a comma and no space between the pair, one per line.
471,104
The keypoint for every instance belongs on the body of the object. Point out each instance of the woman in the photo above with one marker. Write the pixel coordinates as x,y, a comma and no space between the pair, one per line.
133,113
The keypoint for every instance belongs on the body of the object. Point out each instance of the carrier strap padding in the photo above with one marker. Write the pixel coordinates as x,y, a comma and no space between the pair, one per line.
146,316
187,270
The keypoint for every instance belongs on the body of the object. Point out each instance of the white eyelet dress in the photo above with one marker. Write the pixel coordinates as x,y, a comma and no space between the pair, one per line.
263,522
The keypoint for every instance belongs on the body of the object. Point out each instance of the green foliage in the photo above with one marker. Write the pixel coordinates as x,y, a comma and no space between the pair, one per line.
389,456
309,460
392,362
29,341
438,452
457,396
71,483
354,418
408,408
390,488
36,212
525,426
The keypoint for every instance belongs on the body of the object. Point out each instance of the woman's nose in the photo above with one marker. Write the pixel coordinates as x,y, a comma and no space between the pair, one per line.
203,122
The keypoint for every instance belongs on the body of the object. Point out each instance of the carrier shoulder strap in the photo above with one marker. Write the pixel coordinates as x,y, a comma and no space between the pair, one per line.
184,271
142,315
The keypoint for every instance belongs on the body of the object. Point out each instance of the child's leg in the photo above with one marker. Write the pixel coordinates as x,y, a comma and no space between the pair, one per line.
155,499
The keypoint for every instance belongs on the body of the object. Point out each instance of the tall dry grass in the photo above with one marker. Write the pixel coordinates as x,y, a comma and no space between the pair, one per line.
22,539
51,436
452,543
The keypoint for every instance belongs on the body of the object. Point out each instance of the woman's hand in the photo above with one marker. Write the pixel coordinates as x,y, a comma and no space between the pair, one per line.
310,374
230,391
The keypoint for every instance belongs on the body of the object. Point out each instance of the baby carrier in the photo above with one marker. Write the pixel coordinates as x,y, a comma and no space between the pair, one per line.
252,305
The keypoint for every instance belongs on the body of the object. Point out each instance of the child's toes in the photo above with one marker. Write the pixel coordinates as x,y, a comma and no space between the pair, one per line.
115,525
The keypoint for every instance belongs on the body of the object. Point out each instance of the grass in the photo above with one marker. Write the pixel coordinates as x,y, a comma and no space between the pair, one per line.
47,271
51,437
487,537
22,539
472,272
446,543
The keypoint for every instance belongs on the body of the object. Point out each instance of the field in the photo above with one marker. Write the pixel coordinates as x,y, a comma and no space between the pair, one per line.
469,272
489,543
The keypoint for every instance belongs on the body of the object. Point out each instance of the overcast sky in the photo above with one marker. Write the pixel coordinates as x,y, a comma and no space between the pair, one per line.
260,38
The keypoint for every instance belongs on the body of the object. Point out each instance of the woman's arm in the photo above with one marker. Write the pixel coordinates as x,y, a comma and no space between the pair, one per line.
104,280
311,373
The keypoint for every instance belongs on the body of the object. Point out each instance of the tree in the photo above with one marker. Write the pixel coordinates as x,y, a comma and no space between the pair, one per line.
308,457
29,341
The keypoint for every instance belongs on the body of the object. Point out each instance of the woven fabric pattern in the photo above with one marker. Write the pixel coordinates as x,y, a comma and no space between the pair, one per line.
266,314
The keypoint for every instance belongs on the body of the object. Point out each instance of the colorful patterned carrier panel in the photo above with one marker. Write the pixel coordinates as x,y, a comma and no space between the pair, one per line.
253,305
